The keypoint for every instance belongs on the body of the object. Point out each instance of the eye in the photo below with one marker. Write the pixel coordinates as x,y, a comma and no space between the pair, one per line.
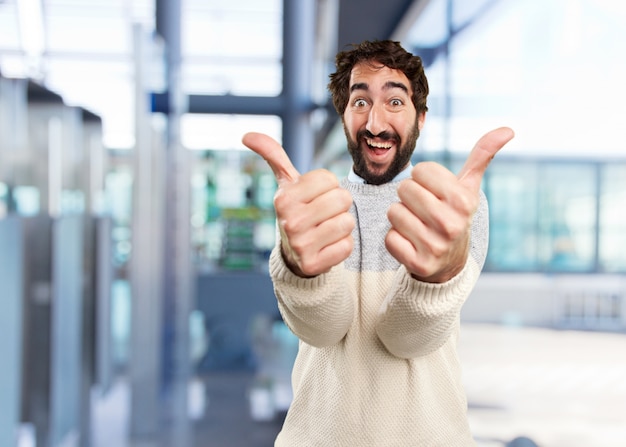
396,102
360,102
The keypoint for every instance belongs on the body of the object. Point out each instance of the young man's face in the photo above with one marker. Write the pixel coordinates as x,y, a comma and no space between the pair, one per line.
380,122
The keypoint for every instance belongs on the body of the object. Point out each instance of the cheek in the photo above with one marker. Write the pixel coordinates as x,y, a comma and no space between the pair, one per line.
350,124
404,125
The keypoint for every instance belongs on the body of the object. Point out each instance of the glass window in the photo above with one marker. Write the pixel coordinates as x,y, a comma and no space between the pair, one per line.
513,199
612,238
232,48
567,217
543,216
224,132
530,65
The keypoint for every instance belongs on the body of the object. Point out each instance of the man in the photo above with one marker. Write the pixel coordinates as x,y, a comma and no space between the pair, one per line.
371,272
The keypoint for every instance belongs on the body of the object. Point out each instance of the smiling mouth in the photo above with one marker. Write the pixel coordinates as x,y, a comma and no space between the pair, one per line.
378,144
378,147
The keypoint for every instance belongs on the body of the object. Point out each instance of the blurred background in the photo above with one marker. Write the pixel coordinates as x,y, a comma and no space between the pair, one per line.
135,303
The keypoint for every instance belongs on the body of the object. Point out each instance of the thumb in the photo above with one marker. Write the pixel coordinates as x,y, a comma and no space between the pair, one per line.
273,154
485,149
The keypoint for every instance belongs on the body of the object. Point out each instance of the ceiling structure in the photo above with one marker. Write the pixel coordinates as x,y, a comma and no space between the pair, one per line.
83,49
232,51
374,19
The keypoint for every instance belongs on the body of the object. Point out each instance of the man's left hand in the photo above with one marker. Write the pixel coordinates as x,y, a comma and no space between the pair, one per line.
430,226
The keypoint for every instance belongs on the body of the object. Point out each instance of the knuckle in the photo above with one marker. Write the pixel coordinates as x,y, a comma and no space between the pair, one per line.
404,187
325,176
418,267
421,168
347,223
466,203
390,246
435,248
309,267
296,246
438,250
281,200
300,243
453,230
393,210
418,169
345,198
290,226
345,246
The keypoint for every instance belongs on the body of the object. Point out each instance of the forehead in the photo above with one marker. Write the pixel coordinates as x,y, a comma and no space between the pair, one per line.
377,76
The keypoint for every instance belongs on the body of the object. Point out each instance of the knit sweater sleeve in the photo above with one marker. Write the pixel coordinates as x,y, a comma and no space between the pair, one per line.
319,310
417,318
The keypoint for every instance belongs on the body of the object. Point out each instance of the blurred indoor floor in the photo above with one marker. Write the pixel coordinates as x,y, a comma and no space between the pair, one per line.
558,388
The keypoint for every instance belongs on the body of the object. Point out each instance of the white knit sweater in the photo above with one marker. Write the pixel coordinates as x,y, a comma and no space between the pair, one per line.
377,364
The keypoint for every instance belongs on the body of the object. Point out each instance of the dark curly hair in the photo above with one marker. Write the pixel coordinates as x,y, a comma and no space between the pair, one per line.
385,52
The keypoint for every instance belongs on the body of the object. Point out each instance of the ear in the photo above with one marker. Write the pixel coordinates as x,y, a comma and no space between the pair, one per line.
420,120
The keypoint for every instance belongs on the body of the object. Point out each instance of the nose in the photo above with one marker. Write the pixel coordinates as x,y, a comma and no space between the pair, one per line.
376,120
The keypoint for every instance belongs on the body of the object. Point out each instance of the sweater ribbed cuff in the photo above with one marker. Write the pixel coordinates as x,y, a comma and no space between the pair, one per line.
433,296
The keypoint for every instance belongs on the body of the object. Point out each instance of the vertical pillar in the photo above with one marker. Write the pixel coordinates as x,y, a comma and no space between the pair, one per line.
298,60
66,336
177,267
145,358
11,345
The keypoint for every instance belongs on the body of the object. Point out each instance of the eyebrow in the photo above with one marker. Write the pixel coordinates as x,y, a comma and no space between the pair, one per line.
388,85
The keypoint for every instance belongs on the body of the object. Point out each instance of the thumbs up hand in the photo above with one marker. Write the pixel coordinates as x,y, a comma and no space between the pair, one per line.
430,231
311,211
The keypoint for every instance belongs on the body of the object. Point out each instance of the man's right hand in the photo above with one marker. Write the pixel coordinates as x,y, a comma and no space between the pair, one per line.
312,211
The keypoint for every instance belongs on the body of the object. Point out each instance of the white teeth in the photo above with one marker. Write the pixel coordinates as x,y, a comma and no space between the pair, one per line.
379,145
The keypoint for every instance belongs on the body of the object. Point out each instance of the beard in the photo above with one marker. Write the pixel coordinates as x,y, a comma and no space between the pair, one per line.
401,160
